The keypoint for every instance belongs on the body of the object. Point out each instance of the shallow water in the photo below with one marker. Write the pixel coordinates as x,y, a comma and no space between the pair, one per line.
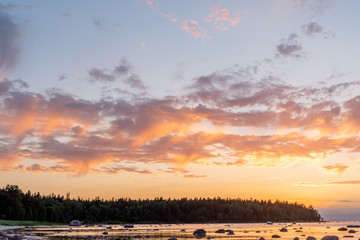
165,231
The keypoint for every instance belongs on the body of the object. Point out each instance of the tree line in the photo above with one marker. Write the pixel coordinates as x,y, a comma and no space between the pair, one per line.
17,205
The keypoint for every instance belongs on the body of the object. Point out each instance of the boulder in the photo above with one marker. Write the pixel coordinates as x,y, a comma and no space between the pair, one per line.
269,223
353,226
220,231
173,238
231,233
147,236
105,233
351,231
199,233
348,236
128,226
296,238
328,237
75,223
275,236
342,229
261,238
310,238
283,230
137,236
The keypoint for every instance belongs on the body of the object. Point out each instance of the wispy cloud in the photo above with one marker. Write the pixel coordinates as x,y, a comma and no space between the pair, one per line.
310,184
194,176
9,36
223,18
168,16
336,168
193,27
101,25
123,72
150,3
312,29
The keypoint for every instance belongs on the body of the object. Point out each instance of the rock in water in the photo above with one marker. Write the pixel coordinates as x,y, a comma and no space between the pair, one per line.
275,236
75,223
220,231
342,229
231,232
351,231
128,226
330,238
261,238
310,238
283,230
199,233
296,238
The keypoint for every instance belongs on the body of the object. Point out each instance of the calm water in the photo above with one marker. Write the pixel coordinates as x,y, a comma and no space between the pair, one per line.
166,231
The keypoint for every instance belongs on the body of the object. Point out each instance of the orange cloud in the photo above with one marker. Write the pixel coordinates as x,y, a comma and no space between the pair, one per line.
194,176
272,124
337,168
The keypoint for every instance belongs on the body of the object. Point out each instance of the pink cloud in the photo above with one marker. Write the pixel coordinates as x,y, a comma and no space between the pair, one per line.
192,26
168,16
223,18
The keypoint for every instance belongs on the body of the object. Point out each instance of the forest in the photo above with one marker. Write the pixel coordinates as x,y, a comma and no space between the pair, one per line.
17,205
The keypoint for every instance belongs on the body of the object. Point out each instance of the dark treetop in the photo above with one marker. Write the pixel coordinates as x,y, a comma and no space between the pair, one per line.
16,205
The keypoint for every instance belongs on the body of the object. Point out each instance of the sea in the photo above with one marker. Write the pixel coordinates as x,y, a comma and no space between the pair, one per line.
232,231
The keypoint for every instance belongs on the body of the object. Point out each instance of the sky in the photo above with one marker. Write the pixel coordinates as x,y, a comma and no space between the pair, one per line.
149,98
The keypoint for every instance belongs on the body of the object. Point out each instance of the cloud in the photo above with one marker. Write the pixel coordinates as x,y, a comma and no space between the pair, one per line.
351,182
312,28
6,85
168,16
314,7
123,72
65,15
9,37
192,26
101,25
289,47
337,168
194,176
150,3
97,75
6,7
310,184
119,169
61,77
271,124
223,18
